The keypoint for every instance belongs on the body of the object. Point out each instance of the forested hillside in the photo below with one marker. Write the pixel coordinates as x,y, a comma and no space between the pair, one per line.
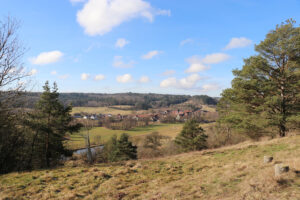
139,100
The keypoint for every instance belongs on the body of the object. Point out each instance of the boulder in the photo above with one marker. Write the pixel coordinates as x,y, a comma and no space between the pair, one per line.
281,169
268,159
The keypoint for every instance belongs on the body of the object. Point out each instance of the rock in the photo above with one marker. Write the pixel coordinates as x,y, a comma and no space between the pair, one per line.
268,159
280,169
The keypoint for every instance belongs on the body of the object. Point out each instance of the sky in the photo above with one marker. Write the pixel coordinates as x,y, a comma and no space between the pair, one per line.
145,46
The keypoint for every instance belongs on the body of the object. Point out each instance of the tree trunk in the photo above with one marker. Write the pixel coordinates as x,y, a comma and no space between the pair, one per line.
88,146
47,143
282,124
47,151
31,153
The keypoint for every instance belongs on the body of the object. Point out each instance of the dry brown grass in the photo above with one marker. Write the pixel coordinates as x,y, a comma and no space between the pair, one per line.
235,172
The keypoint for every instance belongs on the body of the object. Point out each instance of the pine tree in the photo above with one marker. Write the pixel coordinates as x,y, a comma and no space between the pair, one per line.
192,137
50,122
126,150
265,93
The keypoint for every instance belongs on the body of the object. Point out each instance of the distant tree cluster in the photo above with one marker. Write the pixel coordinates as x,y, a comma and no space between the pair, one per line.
204,99
138,101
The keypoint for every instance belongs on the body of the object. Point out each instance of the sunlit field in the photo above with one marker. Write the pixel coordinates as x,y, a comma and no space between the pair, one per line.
123,110
77,140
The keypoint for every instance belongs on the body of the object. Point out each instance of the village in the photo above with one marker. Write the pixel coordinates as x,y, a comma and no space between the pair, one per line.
144,118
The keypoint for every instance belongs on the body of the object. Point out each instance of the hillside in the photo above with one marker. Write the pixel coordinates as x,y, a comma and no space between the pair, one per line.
132,99
235,172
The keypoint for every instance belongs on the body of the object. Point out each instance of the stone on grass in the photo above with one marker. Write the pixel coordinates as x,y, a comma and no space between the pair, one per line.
280,169
268,159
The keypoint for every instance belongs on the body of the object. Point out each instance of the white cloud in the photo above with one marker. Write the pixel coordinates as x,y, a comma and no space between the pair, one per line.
188,82
215,58
99,77
84,76
46,58
151,54
121,42
32,72
210,87
126,78
119,63
53,72
64,76
168,72
196,65
98,17
169,82
238,43
144,79
186,41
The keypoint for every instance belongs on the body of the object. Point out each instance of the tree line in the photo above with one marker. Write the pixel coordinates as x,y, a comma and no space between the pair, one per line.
137,100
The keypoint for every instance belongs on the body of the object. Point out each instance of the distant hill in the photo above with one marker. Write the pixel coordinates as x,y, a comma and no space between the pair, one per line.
142,101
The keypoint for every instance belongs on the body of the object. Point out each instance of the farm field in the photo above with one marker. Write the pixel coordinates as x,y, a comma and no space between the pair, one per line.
235,172
77,141
114,110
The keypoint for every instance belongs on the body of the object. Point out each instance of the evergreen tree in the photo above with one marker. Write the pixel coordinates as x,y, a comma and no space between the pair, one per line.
126,150
119,149
192,137
50,122
265,93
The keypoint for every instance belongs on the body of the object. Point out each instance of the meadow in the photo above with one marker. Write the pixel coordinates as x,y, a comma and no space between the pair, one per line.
234,172
114,110
99,135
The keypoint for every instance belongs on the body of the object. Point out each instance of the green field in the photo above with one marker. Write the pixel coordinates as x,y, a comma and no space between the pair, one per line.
77,141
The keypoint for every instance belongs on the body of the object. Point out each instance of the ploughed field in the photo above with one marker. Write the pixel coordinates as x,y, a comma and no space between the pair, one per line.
235,172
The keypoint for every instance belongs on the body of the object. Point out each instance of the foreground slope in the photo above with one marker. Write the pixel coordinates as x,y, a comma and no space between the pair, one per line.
236,172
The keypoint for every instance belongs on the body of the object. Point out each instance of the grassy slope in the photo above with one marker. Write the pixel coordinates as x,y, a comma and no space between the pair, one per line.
77,141
235,172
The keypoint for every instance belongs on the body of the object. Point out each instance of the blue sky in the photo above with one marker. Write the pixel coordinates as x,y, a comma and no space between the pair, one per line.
157,46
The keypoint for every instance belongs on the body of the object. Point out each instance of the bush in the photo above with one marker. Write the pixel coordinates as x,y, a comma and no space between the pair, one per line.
151,146
221,136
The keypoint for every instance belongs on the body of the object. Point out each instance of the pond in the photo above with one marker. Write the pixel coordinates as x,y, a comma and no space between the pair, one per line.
84,150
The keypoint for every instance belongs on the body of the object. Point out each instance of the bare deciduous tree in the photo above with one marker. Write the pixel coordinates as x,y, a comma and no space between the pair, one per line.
11,67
